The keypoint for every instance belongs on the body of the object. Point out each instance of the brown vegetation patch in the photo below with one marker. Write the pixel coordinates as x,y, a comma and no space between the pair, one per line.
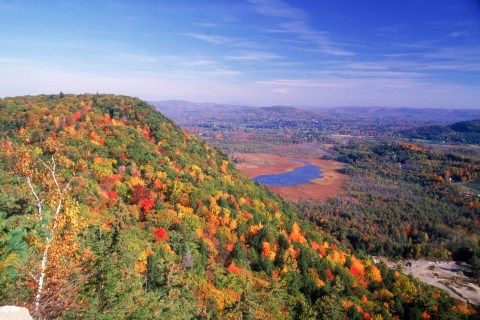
256,164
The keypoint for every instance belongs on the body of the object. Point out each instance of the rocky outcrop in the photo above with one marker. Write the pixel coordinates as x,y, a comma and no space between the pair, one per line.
14,313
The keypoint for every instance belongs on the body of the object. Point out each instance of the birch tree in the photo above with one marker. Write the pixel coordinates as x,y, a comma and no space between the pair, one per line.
55,211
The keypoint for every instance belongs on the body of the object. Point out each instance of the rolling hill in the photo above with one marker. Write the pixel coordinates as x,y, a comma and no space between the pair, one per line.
459,132
109,210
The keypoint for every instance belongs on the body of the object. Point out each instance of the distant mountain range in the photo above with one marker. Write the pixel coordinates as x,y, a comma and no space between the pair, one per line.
411,123
432,115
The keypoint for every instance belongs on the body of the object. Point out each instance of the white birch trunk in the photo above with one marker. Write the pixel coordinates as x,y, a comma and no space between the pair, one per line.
43,266
48,240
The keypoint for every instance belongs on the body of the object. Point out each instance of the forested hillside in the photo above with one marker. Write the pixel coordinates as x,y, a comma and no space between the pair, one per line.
406,200
108,210
459,132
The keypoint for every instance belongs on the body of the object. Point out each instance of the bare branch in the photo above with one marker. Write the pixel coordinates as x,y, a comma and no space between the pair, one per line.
52,172
39,201
67,186
45,165
32,189
31,275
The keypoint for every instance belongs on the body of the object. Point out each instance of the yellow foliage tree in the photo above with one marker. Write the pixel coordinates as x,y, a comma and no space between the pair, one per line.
57,218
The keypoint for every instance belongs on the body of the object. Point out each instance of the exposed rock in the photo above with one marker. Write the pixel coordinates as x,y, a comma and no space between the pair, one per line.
449,276
14,313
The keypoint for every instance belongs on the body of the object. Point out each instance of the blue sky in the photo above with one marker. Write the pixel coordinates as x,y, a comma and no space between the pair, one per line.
409,53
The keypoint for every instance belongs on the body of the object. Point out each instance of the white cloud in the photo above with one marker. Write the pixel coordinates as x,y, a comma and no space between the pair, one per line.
22,77
296,22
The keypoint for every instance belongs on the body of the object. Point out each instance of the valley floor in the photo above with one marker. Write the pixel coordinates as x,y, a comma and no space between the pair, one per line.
331,183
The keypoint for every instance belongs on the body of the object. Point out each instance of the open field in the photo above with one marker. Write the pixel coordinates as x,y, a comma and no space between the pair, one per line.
253,165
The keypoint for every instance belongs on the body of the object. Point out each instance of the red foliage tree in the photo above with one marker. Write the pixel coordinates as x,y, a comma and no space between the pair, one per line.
329,274
77,116
112,195
355,272
147,204
160,234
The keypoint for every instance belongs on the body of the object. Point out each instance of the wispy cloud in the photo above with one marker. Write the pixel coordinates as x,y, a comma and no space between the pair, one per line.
381,75
222,73
464,60
354,84
471,53
393,91
365,66
457,34
299,83
296,22
197,65
279,9
198,62
133,58
451,66
209,38
207,24
230,42
255,56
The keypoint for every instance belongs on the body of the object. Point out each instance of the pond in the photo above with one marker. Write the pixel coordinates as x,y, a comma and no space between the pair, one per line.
291,178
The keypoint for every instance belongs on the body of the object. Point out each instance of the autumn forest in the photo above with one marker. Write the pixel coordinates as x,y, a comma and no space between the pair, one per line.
108,210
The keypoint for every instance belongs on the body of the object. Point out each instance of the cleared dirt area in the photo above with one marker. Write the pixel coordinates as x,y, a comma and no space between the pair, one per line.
331,183
452,277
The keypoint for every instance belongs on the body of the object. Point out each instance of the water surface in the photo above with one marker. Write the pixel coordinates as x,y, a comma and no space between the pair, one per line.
291,178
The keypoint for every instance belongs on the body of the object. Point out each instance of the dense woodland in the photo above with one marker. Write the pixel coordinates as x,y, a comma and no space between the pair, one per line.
109,210
405,200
